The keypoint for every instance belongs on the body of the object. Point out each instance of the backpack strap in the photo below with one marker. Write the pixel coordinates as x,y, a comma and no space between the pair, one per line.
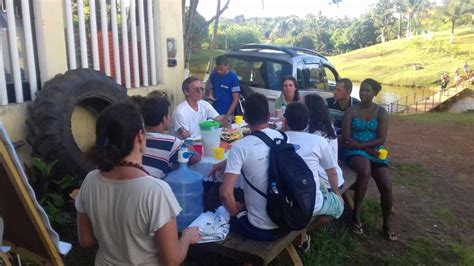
285,137
253,187
264,137
269,141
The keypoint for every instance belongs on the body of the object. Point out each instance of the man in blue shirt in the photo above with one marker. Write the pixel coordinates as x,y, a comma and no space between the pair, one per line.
225,88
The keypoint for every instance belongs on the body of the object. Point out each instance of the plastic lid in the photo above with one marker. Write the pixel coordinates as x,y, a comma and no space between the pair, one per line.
210,124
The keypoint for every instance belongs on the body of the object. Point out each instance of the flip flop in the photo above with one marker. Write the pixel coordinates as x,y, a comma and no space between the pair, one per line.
389,236
304,247
357,229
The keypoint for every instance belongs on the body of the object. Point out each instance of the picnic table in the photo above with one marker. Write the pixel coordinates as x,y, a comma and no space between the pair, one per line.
248,251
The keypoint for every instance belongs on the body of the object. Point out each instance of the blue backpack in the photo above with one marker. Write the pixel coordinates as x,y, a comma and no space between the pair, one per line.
291,188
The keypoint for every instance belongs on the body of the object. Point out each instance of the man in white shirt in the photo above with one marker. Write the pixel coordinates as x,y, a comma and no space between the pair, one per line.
193,110
317,153
250,155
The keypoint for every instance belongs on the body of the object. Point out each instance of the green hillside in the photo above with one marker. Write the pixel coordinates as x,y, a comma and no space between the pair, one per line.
417,62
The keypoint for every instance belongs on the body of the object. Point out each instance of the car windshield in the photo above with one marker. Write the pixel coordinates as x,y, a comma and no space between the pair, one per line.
261,73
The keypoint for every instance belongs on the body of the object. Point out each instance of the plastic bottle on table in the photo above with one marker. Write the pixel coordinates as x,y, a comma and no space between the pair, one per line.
188,188
282,111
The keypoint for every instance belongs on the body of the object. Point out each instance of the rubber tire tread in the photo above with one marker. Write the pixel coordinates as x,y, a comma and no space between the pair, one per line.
49,116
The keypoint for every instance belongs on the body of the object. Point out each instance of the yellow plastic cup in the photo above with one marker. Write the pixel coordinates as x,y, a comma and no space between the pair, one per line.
219,153
238,119
383,154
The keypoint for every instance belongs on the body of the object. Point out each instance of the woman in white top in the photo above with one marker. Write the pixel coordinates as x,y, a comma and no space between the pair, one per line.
320,124
130,215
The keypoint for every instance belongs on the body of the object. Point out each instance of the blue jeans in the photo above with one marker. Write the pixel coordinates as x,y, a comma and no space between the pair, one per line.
243,227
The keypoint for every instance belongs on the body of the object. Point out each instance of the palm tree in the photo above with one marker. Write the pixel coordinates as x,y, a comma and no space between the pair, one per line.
382,14
453,10
412,8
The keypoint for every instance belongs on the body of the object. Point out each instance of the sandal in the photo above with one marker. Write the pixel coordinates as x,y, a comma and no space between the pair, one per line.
304,247
357,229
389,236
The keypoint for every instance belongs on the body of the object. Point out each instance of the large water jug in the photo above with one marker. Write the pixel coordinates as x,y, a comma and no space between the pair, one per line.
188,189
210,134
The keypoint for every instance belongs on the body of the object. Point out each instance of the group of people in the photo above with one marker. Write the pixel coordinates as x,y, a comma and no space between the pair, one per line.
123,206
130,213
458,78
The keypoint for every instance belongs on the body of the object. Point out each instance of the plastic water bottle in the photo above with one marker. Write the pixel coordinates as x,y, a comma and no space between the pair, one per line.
274,188
188,189
282,111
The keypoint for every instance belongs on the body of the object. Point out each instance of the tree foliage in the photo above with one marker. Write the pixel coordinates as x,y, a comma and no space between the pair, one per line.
235,35
199,30
385,20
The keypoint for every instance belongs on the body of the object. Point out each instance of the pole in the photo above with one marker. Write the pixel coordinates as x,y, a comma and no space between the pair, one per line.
406,104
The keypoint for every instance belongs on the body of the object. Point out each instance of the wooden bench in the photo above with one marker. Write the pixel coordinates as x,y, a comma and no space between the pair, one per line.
254,252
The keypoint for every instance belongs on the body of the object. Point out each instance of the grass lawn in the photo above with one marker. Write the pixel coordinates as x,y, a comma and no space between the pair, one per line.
335,244
432,226
393,62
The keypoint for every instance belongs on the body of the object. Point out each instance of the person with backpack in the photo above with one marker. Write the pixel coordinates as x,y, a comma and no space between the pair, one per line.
317,153
250,156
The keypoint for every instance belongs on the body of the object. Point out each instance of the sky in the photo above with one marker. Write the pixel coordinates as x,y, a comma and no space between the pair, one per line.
275,8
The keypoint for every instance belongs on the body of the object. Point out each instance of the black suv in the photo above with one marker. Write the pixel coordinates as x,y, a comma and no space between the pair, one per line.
261,68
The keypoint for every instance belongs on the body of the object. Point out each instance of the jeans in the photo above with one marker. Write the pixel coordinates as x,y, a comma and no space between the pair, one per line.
243,227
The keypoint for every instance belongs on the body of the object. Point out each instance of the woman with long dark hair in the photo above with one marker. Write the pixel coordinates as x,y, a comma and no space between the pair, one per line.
364,130
129,214
320,124
288,95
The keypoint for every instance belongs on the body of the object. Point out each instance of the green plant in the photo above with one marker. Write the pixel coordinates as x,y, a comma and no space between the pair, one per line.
53,191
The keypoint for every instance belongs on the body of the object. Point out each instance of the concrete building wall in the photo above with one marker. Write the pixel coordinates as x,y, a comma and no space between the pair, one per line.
51,48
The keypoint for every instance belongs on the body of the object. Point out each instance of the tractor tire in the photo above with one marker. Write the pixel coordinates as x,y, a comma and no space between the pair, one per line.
49,117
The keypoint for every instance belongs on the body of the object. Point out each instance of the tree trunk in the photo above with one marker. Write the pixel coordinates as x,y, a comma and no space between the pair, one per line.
399,35
409,26
383,34
451,40
214,38
189,31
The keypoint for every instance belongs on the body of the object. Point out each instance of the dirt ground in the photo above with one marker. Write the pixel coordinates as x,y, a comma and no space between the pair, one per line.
438,206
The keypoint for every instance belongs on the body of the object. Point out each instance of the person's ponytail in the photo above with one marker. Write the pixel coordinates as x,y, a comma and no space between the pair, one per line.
116,129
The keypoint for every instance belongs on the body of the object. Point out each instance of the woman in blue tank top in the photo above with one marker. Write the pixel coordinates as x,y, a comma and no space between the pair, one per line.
364,130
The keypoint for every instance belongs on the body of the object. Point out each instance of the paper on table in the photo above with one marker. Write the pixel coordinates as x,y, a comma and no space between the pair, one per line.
213,226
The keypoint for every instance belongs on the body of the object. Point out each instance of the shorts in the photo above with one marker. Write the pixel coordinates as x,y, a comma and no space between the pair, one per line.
333,205
340,188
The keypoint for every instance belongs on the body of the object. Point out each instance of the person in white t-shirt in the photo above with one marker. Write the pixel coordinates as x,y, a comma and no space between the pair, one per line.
129,214
161,153
193,110
320,124
317,154
250,155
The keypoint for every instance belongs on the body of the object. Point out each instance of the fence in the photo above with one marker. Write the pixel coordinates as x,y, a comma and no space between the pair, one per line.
402,105
116,37
422,102
18,80
127,55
